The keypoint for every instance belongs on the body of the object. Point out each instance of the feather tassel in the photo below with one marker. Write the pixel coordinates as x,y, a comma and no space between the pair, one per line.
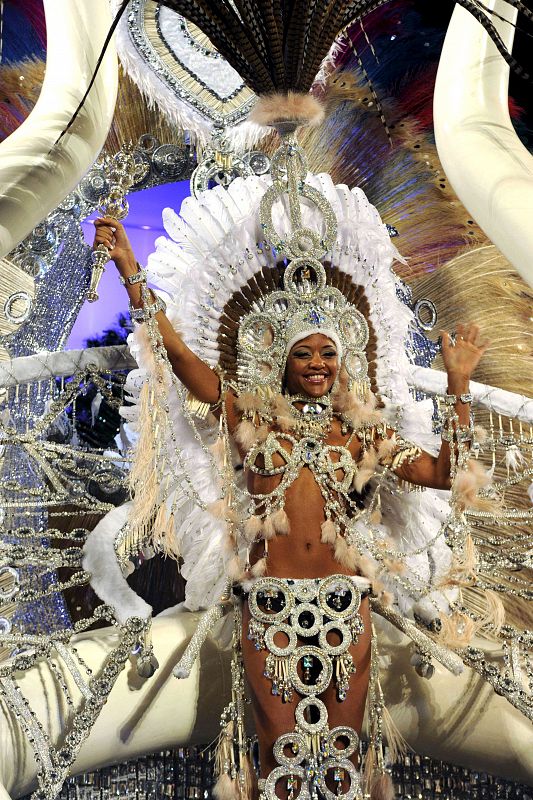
366,567
246,434
225,788
252,528
365,470
249,401
457,630
268,528
382,788
328,532
235,569
280,521
259,568
345,555
466,485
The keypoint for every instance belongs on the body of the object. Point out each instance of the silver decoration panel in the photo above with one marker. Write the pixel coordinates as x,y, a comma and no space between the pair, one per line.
205,87
187,774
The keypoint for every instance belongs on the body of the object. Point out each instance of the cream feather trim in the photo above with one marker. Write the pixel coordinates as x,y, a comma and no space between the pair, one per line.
249,401
366,468
299,107
246,434
345,555
259,568
281,522
382,788
466,485
328,532
282,413
225,788
252,528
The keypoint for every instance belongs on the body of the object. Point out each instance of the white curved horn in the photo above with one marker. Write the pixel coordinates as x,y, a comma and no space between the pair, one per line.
34,180
487,165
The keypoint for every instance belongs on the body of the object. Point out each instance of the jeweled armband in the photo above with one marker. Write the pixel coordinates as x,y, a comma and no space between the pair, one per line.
140,314
406,455
404,452
137,277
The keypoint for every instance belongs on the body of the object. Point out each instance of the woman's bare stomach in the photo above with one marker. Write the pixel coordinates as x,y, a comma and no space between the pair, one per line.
300,553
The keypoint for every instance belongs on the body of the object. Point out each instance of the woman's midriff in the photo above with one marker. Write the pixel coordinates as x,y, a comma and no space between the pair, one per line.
300,553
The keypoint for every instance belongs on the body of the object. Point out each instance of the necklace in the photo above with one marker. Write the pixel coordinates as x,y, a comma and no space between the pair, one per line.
314,417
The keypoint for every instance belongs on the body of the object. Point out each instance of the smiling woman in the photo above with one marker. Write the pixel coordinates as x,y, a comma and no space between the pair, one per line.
312,365
302,550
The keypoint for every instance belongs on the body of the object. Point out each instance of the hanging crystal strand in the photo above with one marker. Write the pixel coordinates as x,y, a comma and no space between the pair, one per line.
245,778
378,783
234,774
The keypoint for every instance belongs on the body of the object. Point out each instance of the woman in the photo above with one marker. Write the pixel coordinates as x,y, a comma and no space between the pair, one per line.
304,453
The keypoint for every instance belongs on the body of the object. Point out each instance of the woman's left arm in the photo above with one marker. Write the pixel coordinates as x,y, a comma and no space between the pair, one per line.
461,354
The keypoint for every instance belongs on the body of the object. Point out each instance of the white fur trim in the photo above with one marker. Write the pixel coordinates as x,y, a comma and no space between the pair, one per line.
99,558
329,332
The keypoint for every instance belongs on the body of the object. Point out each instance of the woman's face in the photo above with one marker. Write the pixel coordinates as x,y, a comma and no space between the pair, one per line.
312,366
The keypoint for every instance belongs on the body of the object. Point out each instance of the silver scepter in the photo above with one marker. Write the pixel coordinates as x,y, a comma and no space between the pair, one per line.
124,170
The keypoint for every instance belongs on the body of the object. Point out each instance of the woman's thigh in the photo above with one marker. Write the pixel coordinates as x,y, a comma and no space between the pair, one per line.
273,717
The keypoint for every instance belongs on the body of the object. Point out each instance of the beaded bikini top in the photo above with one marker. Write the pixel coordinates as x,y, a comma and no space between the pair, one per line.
299,440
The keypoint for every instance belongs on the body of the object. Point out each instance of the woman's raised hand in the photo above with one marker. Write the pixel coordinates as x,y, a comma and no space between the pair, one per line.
111,233
462,351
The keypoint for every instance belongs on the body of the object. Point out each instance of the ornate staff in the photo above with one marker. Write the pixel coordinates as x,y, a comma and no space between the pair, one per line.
124,171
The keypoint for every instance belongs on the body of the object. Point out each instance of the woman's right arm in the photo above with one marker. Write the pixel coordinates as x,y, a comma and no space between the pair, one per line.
194,373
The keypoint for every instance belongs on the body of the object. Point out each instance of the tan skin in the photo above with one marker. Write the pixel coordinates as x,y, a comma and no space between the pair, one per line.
312,367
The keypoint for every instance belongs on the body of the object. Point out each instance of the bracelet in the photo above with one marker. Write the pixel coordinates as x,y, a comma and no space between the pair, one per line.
464,433
451,399
138,277
140,314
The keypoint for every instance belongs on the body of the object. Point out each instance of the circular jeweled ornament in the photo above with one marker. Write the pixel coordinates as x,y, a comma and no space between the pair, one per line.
94,186
306,619
276,587
258,334
425,312
308,654
283,774
303,591
258,162
5,625
354,329
295,742
33,264
304,278
170,160
356,365
281,627
342,732
339,586
281,305
354,790
10,587
346,637
17,307
302,710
